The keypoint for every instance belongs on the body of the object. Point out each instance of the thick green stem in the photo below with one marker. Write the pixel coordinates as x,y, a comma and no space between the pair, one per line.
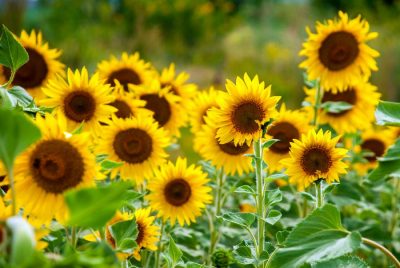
73,237
159,249
258,154
319,194
13,193
318,97
383,249
214,237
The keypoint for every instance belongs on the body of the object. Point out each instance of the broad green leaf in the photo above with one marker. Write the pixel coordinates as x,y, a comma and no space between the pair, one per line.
319,237
273,216
17,132
273,197
275,176
281,236
242,219
21,96
94,207
389,165
12,54
347,261
174,252
124,234
388,113
269,143
245,253
6,100
336,106
245,189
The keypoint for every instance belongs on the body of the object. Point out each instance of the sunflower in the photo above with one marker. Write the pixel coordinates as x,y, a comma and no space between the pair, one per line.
50,167
137,142
362,96
43,64
179,192
199,106
177,84
375,141
166,107
314,157
287,126
148,233
80,100
338,54
130,69
247,207
243,110
227,155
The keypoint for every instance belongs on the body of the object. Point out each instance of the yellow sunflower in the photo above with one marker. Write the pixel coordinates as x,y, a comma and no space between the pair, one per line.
314,157
287,126
375,141
148,233
226,155
80,100
337,53
178,84
166,107
247,207
129,69
43,65
199,106
179,192
243,110
362,96
47,169
137,142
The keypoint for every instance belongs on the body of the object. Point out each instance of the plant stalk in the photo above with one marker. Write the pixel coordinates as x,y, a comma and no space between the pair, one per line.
384,250
13,193
393,222
157,260
258,154
218,205
319,194
318,99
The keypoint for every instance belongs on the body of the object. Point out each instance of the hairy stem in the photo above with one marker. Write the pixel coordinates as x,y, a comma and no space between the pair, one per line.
384,250
258,156
319,195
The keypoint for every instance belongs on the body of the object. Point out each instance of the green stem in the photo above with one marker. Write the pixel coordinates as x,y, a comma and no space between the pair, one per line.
383,249
157,261
318,97
9,80
296,198
73,237
393,222
319,194
13,193
258,154
305,207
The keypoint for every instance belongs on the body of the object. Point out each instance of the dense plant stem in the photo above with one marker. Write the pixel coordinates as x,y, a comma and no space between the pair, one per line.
319,194
318,98
378,246
73,237
214,237
257,145
159,248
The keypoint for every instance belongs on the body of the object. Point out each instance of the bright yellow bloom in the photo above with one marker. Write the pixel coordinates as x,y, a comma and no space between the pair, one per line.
148,233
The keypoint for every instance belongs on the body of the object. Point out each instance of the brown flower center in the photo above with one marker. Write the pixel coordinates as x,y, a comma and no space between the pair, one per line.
124,76
231,149
141,229
285,132
56,166
177,192
31,74
316,159
79,106
338,50
123,109
159,106
245,115
348,96
374,145
133,145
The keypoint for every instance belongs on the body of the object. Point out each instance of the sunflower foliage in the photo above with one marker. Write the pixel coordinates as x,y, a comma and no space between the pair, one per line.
92,175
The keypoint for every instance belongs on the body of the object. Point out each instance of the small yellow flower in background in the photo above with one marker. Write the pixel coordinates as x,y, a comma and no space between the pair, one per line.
137,142
228,156
337,53
246,106
179,192
363,97
287,126
247,208
80,100
314,157
128,70
50,167
43,65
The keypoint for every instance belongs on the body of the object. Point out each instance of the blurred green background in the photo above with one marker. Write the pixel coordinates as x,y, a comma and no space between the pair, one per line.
212,40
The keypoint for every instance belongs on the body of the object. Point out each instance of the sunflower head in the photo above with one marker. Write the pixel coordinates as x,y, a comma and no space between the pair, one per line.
80,100
314,157
179,192
43,64
287,126
337,53
243,110
148,233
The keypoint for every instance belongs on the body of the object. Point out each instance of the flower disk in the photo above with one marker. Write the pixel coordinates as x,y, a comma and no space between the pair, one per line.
178,192
314,157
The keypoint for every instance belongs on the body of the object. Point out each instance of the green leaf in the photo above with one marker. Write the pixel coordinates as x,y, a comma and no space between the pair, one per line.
275,176
273,197
389,165
320,236
108,164
281,236
336,107
388,113
12,54
245,253
308,196
78,129
245,189
17,132
6,100
124,234
94,207
242,219
347,261
273,216
269,143
21,96
174,252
